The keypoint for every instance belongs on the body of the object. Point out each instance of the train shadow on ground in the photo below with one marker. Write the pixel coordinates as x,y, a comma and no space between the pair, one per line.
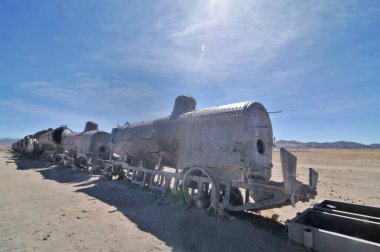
180,227
189,229
24,163
48,171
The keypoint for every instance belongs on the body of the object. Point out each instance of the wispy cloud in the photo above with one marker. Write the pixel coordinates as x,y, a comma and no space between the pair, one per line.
275,52
37,111
81,97
90,91
25,107
235,34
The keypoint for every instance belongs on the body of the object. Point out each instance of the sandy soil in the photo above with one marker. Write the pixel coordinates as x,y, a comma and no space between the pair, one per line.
51,209
344,175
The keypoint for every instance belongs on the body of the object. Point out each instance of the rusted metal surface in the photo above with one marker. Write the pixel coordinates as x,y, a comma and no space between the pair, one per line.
88,144
53,139
234,142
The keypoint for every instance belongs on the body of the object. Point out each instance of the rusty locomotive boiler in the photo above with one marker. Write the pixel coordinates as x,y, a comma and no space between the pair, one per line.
87,147
52,139
224,152
233,141
50,143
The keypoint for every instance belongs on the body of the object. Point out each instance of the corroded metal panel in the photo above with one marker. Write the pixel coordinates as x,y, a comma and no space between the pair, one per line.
90,142
93,141
53,138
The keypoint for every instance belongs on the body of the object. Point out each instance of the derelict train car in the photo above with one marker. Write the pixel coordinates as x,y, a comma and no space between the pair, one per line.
63,146
35,145
87,147
32,143
52,139
50,143
25,145
16,146
222,151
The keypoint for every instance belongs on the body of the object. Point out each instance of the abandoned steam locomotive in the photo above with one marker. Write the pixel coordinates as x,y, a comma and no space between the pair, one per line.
218,157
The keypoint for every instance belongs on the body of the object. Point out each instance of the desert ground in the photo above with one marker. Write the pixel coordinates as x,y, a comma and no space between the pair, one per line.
49,208
343,175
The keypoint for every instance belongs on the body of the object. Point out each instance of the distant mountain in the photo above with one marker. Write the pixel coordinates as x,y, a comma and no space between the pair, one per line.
7,142
316,145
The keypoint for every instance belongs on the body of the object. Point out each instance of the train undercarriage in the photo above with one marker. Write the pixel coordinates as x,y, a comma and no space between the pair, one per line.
199,186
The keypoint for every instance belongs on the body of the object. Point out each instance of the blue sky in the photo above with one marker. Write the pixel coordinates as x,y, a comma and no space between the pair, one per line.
66,62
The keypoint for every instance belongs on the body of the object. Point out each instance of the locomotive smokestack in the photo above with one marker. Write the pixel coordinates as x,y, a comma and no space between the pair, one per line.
183,104
90,126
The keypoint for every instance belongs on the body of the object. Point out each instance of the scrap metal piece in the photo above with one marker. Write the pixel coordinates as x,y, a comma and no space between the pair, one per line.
289,167
337,226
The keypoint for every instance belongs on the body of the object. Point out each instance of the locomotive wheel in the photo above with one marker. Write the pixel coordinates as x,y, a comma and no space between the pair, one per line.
235,199
81,162
200,188
111,171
